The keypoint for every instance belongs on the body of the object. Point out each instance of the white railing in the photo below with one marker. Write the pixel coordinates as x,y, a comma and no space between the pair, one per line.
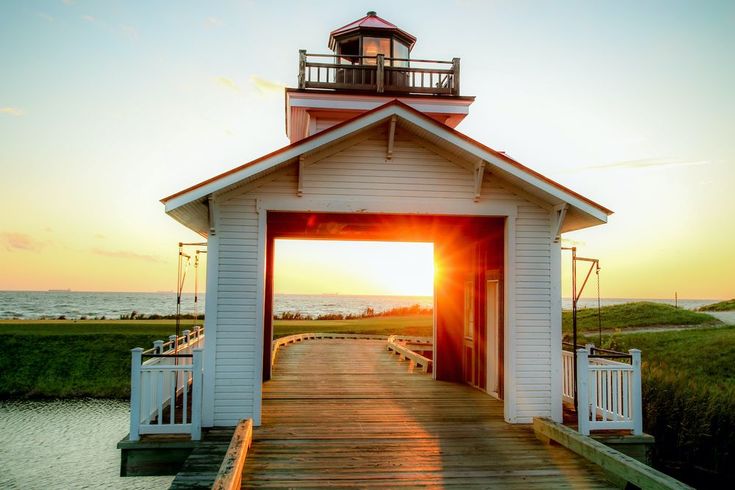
608,391
166,388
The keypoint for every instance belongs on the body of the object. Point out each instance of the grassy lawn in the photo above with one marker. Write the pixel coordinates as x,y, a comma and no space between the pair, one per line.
419,325
705,355
689,401
728,305
65,358
639,314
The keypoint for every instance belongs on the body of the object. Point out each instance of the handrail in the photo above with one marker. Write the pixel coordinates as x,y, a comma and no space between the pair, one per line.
608,391
171,372
397,345
380,75
229,476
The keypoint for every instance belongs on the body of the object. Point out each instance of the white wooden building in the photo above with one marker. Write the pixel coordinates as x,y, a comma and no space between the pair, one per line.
373,154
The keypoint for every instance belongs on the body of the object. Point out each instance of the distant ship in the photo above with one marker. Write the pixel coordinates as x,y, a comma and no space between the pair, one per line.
59,290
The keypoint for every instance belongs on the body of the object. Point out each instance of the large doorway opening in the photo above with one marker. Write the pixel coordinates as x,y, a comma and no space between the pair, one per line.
370,287
468,257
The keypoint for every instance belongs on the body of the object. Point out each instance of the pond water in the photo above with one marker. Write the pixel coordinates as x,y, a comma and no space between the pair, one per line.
66,444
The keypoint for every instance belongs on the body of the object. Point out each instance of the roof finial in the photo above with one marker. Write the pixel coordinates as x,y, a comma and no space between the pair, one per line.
372,13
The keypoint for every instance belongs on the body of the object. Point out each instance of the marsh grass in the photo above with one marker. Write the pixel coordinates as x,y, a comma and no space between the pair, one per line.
689,400
728,305
638,314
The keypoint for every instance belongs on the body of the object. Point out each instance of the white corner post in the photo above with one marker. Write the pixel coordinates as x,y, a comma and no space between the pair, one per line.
158,346
637,392
557,370
137,358
210,318
196,395
583,404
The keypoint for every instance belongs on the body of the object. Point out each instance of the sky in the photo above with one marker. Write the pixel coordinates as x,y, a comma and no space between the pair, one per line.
106,107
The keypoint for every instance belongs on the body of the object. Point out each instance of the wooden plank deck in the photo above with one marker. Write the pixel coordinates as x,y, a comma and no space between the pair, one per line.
201,467
346,413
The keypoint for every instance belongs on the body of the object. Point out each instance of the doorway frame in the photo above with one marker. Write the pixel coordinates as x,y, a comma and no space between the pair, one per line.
483,209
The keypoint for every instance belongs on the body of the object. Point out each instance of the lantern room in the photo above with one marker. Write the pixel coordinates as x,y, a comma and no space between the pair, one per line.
361,41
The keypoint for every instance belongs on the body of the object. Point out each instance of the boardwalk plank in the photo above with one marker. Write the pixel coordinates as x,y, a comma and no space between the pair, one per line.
346,414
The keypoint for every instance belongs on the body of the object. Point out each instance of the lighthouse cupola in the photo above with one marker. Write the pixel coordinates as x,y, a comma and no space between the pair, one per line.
361,41
370,65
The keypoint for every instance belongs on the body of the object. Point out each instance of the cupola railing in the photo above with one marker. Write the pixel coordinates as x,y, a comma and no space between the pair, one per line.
378,74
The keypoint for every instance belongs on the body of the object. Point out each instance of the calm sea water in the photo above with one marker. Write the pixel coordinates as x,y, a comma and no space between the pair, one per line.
66,444
74,305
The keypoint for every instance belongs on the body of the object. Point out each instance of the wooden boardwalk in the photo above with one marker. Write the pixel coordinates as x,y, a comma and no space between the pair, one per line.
346,413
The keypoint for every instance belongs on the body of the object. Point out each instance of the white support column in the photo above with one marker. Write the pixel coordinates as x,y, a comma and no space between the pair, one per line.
196,394
158,346
260,314
583,404
136,361
557,369
210,322
510,403
637,392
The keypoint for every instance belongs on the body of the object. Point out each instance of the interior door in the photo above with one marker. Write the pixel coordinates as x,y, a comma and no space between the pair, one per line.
468,345
493,337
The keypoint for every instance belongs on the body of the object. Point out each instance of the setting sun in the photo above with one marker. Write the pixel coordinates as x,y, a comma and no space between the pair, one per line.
351,267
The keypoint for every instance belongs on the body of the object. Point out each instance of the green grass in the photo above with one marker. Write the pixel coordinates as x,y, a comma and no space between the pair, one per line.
728,305
419,325
91,358
689,400
639,314
706,355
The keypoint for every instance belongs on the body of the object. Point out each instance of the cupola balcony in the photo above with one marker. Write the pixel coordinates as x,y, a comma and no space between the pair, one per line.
378,74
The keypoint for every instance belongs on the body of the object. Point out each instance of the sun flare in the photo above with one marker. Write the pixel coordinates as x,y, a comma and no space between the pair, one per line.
353,267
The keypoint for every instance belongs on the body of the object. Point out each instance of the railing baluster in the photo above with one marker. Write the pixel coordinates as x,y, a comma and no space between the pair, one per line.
172,375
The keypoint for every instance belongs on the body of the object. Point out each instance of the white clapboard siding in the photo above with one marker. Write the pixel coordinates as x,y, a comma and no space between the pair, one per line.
238,356
362,172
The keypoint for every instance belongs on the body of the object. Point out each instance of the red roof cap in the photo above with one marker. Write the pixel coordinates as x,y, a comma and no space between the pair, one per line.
370,21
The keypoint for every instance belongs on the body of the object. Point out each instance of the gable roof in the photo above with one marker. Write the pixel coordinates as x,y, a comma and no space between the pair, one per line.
417,122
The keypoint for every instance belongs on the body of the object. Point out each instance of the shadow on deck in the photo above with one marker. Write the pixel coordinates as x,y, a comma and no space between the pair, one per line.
345,413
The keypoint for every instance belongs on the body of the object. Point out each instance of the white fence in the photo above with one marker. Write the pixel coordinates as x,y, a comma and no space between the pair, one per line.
608,391
172,372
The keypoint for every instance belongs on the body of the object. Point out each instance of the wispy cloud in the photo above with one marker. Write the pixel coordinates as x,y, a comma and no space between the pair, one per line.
13,241
266,86
125,254
45,16
11,111
647,163
89,18
67,2
130,32
212,22
228,83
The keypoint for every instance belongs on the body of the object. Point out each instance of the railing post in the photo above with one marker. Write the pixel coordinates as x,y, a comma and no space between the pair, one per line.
174,342
302,68
455,69
196,395
136,359
187,337
637,392
158,346
583,392
589,348
380,75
